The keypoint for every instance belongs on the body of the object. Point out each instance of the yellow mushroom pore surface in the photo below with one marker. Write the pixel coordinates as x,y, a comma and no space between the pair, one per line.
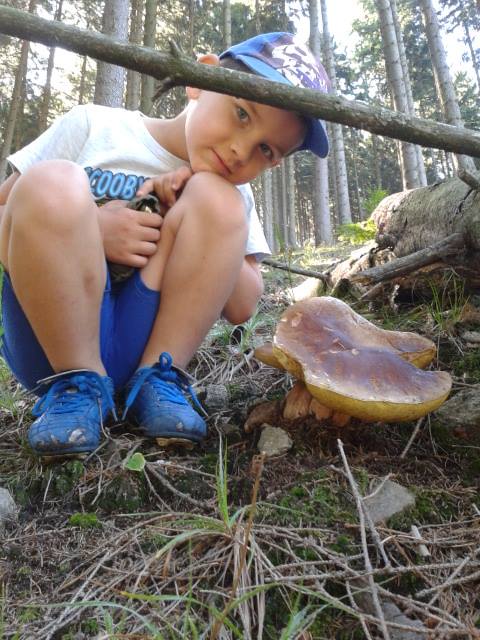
352,366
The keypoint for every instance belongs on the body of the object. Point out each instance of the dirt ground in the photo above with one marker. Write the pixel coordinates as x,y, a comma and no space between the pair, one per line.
218,543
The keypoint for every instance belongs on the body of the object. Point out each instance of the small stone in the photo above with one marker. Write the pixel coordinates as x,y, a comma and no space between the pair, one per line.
391,499
274,442
8,508
471,336
462,411
216,397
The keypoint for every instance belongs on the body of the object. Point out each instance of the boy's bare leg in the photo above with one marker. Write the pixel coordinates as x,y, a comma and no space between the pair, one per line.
51,246
196,266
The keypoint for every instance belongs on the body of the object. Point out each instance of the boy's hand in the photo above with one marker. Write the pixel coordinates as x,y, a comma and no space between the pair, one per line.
167,186
129,237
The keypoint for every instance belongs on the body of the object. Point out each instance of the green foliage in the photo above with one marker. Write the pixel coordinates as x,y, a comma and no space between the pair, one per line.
135,462
448,302
84,520
373,199
357,232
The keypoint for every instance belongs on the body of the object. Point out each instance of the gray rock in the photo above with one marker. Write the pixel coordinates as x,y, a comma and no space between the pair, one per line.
462,410
216,397
8,508
393,614
471,336
391,499
274,441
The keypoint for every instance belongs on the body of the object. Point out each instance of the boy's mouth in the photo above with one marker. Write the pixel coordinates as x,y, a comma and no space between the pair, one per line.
224,168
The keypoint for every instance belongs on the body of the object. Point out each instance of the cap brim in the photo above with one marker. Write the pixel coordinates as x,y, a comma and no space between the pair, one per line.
316,139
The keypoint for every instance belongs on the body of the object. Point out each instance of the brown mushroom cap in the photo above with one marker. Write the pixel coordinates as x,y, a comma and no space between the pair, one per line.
352,366
265,354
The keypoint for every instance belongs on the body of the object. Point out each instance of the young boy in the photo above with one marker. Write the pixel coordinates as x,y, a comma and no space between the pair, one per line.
72,336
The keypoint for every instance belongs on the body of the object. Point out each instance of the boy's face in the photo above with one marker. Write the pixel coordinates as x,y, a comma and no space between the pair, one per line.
236,138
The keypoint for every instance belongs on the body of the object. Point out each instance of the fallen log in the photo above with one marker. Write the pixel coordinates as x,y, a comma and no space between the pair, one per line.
406,264
424,237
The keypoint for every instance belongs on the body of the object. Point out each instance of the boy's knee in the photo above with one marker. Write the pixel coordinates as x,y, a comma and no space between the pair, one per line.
50,188
218,201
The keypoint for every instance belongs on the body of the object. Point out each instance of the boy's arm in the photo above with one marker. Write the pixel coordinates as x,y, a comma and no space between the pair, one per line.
242,302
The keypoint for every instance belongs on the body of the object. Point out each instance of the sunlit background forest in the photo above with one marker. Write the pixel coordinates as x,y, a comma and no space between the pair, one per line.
294,202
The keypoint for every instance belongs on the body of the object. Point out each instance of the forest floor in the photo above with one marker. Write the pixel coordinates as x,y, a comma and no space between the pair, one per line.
136,542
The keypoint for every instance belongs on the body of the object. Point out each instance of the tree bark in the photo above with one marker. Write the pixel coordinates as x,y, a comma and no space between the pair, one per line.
414,220
110,80
443,80
149,33
47,90
268,209
15,102
322,223
473,55
406,264
338,147
227,24
82,86
397,86
180,71
134,79
290,196
422,175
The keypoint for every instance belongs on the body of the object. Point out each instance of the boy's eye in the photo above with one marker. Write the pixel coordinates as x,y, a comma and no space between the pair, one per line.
267,152
241,113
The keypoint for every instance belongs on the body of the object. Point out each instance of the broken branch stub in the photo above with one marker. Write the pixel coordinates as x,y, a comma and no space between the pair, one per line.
356,368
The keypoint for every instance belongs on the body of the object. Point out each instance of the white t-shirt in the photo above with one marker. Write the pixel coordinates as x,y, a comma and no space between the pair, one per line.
119,154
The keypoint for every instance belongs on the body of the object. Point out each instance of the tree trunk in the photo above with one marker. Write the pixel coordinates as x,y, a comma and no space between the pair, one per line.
110,79
321,215
82,87
443,80
149,32
422,175
473,55
15,102
268,209
282,183
47,90
291,201
258,24
227,24
397,87
321,219
134,79
338,148
277,230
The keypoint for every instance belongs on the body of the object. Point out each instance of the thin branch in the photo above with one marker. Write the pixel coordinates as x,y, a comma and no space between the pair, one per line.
184,71
303,272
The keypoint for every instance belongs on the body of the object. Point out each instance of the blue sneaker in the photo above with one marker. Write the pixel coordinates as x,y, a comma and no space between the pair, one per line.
156,401
71,413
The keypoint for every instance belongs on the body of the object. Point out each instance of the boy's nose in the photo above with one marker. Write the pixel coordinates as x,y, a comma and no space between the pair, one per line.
242,150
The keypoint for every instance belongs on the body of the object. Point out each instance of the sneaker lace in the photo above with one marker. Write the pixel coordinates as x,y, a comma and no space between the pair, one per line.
160,375
73,393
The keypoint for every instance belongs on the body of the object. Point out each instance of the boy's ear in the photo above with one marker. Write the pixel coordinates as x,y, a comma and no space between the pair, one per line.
206,58
209,58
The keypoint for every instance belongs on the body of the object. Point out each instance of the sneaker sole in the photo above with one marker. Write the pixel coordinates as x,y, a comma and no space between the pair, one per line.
61,457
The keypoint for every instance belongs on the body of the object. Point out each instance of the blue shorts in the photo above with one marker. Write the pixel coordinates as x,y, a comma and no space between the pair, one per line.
127,315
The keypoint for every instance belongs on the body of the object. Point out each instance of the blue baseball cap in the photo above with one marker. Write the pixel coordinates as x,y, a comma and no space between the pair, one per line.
282,57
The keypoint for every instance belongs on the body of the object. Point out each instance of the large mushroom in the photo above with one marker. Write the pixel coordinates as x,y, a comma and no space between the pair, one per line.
354,368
